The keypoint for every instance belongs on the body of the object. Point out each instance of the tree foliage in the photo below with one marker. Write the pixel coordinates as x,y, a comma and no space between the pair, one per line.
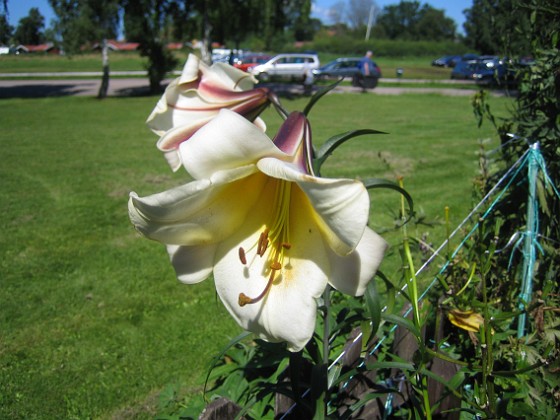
83,22
145,21
492,26
6,30
30,28
413,21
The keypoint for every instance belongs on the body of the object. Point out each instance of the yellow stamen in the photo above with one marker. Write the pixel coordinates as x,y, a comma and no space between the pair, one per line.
276,235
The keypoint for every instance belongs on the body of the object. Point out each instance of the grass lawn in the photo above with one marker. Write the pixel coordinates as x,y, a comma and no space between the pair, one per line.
93,321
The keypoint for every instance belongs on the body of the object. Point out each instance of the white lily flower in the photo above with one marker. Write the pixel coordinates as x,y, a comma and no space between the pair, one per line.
193,99
272,233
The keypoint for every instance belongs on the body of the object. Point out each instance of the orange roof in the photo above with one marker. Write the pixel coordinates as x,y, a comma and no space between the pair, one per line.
39,48
123,46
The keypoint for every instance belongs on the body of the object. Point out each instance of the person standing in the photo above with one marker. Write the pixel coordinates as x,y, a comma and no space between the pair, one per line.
308,78
368,71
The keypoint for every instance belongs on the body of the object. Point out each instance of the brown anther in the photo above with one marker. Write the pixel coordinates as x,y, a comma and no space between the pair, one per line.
276,265
263,243
286,245
243,299
242,256
263,247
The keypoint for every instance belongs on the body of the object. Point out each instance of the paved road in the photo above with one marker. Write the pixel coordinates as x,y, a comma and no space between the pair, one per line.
33,88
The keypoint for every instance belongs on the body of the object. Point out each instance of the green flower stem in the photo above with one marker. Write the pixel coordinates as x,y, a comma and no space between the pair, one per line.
487,354
412,286
326,342
411,278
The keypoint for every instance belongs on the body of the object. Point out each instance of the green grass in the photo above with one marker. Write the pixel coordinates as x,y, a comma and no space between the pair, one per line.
93,322
118,61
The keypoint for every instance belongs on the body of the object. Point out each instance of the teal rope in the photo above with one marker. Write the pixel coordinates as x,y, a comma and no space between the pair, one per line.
519,165
531,244
530,234
533,159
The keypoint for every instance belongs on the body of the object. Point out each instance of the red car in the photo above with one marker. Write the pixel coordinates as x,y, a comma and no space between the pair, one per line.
247,62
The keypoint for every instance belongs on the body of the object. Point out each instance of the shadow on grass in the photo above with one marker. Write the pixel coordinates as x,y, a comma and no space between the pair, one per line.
78,87
44,89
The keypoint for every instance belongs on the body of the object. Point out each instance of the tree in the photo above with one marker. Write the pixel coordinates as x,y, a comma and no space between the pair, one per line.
359,11
491,25
6,30
30,28
411,20
145,22
300,20
433,25
82,22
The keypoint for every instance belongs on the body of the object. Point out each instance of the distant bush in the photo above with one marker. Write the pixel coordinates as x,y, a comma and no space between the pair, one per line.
346,45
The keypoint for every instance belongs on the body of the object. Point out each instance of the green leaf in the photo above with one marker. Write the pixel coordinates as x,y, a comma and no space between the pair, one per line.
391,291
403,322
364,400
331,144
334,374
371,183
452,385
391,365
319,94
374,308
219,357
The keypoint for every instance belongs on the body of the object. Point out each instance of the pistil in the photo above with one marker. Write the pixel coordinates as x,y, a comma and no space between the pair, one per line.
244,299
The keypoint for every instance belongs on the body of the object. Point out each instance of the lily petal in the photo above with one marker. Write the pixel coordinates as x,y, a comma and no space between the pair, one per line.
200,212
191,70
173,137
342,205
226,142
230,77
192,264
351,274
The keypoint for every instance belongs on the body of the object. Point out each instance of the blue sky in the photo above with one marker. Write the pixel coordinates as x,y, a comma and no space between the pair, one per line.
453,9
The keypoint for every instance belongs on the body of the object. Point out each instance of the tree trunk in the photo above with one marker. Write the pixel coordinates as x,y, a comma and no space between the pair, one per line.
205,44
105,78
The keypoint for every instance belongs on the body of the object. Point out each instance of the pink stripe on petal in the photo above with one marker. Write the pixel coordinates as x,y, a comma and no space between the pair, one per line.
294,138
173,138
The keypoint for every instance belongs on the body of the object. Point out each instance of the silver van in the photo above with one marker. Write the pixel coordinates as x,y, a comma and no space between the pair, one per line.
286,66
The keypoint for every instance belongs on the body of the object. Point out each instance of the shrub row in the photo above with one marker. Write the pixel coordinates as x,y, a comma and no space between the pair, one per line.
344,45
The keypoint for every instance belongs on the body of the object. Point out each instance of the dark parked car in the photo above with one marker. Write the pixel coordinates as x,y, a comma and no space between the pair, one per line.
464,70
447,61
495,72
343,67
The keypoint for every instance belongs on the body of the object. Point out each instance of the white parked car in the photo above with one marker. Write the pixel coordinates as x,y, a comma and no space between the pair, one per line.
286,66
